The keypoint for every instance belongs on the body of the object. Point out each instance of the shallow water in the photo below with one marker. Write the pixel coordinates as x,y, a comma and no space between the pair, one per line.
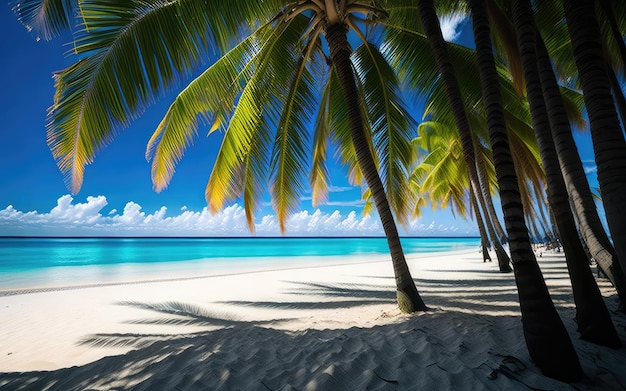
26,262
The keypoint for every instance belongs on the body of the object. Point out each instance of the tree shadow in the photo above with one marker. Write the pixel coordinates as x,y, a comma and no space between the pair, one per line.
435,350
473,341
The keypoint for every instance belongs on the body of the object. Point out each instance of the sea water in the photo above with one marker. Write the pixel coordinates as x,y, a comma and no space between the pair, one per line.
26,262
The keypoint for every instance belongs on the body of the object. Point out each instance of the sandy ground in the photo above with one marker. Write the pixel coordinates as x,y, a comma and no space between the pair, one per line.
325,327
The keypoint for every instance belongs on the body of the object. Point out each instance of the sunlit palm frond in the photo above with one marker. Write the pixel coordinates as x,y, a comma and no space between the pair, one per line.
291,147
46,18
340,125
210,98
391,124
263,116
319,176
131,52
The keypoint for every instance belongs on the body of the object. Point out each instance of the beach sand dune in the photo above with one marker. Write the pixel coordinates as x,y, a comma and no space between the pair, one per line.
303,328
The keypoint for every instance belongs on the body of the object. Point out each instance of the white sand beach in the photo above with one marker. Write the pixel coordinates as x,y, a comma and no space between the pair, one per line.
321,327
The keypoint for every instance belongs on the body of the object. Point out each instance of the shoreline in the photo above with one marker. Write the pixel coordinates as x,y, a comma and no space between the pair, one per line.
188,270
312,326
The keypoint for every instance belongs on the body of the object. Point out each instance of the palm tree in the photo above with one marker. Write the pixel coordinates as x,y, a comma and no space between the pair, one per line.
549,346
589,223
443,175
582,199
606,133
260,89
593,318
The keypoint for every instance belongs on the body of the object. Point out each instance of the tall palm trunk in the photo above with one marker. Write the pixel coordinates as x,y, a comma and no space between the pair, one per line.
591,228
438,45
409,299
547,340
486,191
606,134
483,198
594,321
504,261
609,14
484,240
618,93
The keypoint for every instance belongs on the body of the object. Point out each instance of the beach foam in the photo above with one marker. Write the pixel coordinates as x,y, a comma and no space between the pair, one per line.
321,327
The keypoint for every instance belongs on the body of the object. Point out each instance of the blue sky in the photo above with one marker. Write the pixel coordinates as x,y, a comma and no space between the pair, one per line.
117,197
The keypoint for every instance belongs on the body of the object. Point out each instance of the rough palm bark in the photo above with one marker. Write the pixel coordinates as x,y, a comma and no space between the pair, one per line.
547,340
504,261
606,134
618,93
594,322
432,28
484,240
582,201
486,191
609,15
409,299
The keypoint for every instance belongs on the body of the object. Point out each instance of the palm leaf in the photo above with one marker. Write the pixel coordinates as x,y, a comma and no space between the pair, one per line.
390,122
209,99
46,18
131,52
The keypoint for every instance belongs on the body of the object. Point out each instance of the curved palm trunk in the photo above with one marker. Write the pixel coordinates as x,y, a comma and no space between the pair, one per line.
609,13
437,43
504,261
409,299
618,93
606,134
483,198
491,210
547,340
594,321
591,228
484,240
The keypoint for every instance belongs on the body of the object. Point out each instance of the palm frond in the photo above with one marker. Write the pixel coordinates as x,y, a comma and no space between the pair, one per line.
131,53
208,99
289,160
46,18
391,124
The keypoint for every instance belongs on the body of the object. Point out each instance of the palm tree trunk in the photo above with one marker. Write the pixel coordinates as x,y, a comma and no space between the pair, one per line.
484,240
504,261
618,93
606,134
609,13
591,228
409,299
594,321
484,185
547,340
432,28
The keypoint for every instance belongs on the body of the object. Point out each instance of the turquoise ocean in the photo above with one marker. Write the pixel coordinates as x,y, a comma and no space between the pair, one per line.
27,262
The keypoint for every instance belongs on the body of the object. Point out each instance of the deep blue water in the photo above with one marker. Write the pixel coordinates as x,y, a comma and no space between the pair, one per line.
29,262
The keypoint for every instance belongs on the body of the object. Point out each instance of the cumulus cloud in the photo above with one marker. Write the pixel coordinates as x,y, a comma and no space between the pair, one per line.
451,26
70,218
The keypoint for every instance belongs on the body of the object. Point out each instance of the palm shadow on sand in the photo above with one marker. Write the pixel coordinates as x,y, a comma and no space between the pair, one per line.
441,349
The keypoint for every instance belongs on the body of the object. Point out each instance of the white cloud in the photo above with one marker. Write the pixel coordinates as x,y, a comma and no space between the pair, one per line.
68,218
590,167
451,26
340,189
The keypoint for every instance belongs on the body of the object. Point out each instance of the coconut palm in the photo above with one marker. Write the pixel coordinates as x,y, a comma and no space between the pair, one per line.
265,61
442,176
590,226
550,347
606,132
577,186
543,342
593,318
